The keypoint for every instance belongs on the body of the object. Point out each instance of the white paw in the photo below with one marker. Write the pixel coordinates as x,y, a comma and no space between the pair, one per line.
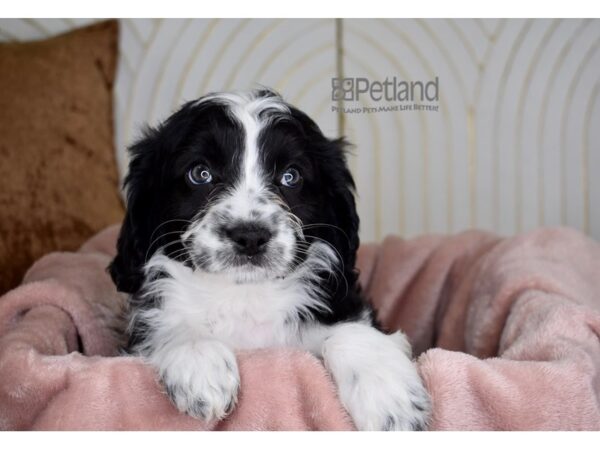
202,380
377,382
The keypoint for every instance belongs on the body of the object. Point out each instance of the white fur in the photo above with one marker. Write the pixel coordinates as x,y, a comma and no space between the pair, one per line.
376,379
253,113
201,375
202,315
199,305
248,200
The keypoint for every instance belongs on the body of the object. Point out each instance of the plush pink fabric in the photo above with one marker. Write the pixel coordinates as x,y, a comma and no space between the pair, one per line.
506,331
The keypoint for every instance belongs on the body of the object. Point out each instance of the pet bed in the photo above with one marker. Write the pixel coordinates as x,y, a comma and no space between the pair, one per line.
505,331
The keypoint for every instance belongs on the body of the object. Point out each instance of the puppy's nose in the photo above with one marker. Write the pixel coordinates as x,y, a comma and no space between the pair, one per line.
250,238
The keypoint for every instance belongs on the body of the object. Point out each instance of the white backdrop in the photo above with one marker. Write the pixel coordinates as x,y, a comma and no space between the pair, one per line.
515,144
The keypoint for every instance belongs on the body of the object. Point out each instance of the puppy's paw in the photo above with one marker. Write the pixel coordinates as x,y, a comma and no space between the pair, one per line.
377,382
404,409
203,382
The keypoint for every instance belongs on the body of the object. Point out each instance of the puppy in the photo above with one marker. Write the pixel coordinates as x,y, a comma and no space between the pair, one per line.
241,232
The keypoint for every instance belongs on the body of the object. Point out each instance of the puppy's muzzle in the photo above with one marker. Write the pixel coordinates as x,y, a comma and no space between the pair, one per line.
249,238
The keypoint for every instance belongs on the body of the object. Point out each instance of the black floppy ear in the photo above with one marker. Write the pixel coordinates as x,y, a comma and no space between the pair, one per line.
126,269
338,192
340,199
144,185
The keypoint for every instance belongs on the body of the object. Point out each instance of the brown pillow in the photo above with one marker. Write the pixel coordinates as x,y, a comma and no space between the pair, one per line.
58,176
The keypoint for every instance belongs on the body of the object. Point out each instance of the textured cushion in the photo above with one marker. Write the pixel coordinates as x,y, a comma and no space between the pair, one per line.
58,177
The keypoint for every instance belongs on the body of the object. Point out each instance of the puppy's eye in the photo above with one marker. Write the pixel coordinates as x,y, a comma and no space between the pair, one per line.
290,178
199,174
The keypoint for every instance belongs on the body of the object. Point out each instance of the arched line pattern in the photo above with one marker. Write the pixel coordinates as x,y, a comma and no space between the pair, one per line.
422,23
277,51
312,82
542,122
587,58
284,45
376,150
471,111
489,36
166,59
472,164
586,156
296,99
402,147
127,64
498,102
302,61
6,35
123,55
130,24
343,130
570,60
198,47
563,162
423,128
319,77
122,105
539,51
325,103
70,22
128,119
138,34
447,123
38,26
340,72
463,39
249,51
212,66
482,65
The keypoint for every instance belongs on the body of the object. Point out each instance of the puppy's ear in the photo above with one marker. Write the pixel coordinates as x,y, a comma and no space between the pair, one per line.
126,270
338,194
340,199
127,267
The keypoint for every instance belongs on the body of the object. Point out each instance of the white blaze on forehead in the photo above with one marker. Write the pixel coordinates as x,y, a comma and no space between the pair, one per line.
253,113
251,173
247,199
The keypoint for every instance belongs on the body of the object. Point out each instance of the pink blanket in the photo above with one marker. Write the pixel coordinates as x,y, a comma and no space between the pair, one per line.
506,331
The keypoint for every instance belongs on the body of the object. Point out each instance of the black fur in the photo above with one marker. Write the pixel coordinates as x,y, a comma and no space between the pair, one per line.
160,202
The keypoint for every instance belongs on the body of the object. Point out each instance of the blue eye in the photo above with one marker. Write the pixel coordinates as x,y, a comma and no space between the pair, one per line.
199,174
290,178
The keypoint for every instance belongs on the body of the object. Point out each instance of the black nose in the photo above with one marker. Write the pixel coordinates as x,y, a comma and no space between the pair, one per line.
250,239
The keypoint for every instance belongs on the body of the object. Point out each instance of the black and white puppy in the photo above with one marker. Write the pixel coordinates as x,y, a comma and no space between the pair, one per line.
241,232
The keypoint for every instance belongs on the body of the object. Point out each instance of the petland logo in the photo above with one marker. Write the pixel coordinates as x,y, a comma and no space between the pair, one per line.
398,95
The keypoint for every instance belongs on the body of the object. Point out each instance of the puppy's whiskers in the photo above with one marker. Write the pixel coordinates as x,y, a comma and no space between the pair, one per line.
327,225
335,269
158,239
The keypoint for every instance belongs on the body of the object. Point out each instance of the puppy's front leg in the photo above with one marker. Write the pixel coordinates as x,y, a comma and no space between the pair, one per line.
201,377
377,381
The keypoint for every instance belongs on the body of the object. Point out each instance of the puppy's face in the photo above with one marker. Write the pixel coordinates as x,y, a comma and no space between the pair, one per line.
238,184
252,185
